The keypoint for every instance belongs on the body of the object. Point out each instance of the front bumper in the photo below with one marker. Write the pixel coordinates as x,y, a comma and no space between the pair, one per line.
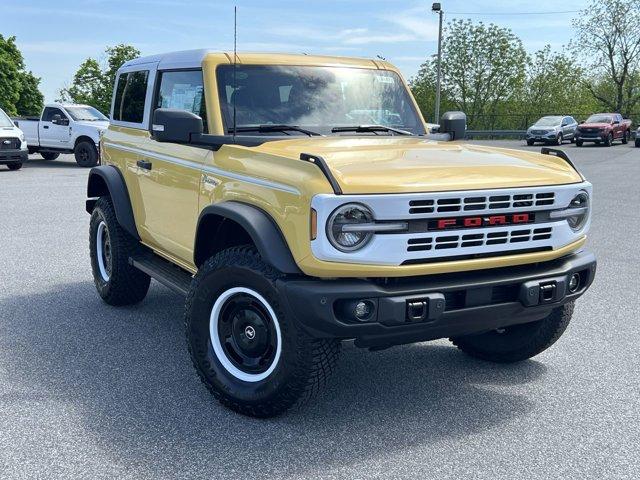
591,137
547,137
417,309
11,156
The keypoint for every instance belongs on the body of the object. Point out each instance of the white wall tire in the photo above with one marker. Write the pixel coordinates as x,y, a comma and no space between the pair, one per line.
221,353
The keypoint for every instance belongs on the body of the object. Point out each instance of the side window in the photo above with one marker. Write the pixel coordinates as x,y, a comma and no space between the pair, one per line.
182,90
49,112
131,93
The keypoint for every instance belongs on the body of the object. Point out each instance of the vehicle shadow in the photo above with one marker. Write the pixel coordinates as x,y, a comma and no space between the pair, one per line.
127,374
57,163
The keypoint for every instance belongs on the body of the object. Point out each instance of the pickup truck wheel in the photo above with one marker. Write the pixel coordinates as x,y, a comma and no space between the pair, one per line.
248,351
86,154
49,155
609,141
626,137
117,282
519,342
578,143
14,165
638,142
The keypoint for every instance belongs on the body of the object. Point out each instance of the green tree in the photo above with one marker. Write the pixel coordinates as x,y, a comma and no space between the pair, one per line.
608,41
93,82
19,93
482,66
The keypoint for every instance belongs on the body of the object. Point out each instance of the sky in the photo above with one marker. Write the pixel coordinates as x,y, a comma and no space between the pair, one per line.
56,37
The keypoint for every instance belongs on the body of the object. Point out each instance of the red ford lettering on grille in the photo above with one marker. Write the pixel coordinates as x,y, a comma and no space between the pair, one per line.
475,222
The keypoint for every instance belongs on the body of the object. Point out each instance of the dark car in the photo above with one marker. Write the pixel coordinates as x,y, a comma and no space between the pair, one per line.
552,129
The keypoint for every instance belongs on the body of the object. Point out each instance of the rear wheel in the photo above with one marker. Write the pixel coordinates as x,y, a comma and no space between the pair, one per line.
110,246
519,342
49,155
626,137
14,165
86,154
251,355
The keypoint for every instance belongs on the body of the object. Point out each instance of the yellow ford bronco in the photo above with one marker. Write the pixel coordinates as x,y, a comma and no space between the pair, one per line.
300,201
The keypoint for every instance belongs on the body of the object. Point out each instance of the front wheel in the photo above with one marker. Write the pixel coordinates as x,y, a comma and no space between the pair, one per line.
530,142
14,165
86,154
110,246
518,342
49,155
559,139
609,140
637,142
578,143
252,356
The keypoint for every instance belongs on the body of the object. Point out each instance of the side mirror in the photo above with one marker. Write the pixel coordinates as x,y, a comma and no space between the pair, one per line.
455,124
616,122
177,126
56,119
581,122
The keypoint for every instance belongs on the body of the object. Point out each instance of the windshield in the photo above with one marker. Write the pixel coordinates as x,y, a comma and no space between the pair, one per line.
5,121
315,98
599,119
87,114
549,121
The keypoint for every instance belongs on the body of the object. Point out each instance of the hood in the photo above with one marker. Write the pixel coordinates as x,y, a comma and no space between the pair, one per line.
544,127
594,125
413,164
100,125
10,132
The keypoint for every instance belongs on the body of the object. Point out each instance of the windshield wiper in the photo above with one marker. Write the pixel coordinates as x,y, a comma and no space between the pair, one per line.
272,128
370,128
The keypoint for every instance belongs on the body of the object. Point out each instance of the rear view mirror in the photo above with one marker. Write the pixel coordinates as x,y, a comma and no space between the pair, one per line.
177,126
455,124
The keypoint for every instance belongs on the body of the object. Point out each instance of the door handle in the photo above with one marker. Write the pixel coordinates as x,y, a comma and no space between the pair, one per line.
144,164
46,127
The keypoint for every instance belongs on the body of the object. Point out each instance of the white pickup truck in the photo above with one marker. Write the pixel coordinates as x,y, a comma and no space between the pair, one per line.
65,128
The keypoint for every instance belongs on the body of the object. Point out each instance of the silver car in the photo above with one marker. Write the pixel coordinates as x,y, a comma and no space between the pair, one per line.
552,129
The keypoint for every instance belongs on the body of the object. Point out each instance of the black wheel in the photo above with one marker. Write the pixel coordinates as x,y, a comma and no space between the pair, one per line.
86,154
578,143
530,142
626,137
638,142
251,355
559,139
49,155
573,139
609,140
117,282
14,165
519,342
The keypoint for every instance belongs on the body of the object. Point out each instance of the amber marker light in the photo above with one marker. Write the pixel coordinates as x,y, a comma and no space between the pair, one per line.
314,224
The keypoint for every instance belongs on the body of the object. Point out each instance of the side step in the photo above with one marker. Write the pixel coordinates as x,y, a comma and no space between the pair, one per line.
165,272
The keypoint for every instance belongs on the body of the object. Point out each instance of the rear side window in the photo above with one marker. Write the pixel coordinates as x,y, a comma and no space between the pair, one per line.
182,90
131,93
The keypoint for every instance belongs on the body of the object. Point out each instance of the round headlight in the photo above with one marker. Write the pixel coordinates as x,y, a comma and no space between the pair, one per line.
581,203
342,227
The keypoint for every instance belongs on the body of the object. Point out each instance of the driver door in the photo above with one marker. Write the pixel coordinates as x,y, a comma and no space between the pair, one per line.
54,128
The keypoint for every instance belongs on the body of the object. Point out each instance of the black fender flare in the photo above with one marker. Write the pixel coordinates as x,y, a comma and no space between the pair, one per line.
262,229
107,180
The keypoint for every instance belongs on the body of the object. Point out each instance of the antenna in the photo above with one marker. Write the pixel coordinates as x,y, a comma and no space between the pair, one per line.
235,64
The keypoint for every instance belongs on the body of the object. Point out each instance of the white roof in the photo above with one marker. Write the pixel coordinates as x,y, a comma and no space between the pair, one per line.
182,59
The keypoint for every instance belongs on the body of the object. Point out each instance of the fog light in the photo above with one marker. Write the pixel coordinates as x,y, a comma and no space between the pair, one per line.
574,282
362,310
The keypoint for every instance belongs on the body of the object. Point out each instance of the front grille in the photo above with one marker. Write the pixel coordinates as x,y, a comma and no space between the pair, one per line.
539,132
589,130
478,203
9,143
493,237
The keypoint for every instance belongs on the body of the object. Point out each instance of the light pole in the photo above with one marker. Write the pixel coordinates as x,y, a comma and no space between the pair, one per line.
436,7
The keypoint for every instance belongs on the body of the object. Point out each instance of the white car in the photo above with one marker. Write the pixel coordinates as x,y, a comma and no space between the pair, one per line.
13,147
66,128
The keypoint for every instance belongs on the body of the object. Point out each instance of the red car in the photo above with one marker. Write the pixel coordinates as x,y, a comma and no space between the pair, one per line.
604,128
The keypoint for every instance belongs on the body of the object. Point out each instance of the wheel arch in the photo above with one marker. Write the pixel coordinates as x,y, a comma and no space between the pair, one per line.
84,138
107,180
234,223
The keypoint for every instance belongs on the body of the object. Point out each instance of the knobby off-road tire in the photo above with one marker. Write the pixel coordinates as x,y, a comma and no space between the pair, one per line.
232,292
519,342
49,155
86,154
14,165
117,282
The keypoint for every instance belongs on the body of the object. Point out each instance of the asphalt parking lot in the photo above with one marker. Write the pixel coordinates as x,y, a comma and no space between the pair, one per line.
88,390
